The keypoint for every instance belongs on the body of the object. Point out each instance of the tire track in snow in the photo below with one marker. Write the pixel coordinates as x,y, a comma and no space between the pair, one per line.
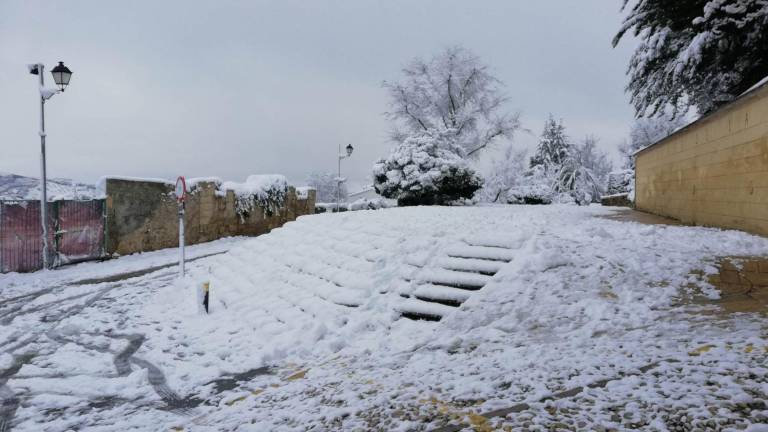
9,401
157,380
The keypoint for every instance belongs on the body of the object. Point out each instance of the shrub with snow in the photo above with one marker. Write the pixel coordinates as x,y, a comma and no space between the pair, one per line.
371,204
578,181
426,169
267,192
533,187
620,182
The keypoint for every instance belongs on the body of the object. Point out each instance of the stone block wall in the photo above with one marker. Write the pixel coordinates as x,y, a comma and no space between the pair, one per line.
714,172
143,215
618,200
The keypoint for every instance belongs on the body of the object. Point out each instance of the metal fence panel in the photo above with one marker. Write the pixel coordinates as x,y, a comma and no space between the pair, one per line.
75,233
20,233
80,231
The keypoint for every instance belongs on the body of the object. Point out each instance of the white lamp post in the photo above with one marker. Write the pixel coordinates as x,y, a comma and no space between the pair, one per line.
61,76
339,179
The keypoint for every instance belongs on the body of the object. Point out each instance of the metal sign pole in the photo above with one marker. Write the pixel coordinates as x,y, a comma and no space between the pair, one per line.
181,239
181,196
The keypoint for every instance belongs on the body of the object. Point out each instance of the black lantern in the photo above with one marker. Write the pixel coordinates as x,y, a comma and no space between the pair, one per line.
349,150
61,75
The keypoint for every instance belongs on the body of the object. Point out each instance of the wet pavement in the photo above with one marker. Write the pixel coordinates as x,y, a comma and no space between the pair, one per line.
623,214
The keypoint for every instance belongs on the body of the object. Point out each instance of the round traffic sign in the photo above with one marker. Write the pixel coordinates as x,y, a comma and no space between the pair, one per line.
181,189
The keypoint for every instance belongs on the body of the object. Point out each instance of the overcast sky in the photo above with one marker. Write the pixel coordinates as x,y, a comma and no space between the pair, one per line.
231,88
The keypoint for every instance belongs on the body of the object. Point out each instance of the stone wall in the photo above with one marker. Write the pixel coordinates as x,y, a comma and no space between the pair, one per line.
143,215
618,200
713,172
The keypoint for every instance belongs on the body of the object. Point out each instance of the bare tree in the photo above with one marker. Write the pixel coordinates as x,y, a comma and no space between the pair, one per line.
454,92
326,185
504,174
594,159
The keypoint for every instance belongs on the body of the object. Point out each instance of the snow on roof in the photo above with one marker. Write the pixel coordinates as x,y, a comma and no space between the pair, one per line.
760,84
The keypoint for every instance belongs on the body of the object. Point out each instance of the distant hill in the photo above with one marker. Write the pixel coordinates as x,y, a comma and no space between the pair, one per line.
16,187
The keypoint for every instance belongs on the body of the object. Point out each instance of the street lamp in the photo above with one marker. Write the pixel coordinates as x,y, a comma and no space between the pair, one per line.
61,76
339,180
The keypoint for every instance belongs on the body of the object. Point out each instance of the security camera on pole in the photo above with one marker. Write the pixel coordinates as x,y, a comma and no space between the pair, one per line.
181,196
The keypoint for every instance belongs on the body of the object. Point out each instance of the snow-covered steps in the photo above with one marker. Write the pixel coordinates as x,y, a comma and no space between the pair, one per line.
448,281
416,309
452,278
482,266
446,295
493,253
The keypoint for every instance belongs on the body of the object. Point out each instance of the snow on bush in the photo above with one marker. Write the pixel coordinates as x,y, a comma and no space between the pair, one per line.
303,192
193,184
578,181
371,204
621,182
534,187
266,191
562,171
426,169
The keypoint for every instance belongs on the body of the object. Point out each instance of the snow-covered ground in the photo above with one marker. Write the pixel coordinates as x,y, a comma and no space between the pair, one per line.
306,330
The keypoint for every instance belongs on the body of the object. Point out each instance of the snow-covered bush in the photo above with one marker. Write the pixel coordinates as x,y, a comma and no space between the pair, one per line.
426,169
535,186
620,182
578,181
371,204
267,192
561,171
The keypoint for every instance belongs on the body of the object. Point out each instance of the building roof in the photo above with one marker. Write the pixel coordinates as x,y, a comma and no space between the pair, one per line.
749,94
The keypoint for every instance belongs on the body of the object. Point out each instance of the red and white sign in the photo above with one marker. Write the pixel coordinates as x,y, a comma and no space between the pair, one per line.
181,189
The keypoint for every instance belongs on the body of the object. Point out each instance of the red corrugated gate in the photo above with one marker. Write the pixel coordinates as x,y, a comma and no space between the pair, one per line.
76,233
79,231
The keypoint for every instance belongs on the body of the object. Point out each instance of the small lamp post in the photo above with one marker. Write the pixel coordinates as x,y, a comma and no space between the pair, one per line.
349,149
61,76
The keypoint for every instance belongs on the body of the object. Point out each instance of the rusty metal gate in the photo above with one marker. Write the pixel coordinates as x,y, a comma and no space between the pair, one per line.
76,233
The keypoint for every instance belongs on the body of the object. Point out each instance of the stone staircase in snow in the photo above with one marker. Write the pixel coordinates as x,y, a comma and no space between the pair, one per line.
436,289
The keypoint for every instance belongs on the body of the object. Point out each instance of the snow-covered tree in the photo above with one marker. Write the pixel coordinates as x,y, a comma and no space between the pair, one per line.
574,179
594,159
647,131
452,91
562,171
504,175
701,53
425,169
326,185
554,146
